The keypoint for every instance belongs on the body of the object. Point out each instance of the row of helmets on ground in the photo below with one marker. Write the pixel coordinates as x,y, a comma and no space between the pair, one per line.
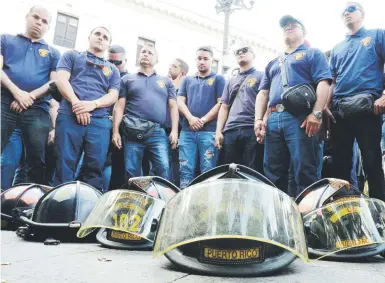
230,221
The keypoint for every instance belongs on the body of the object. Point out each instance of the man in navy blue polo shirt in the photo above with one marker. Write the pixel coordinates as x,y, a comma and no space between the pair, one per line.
237,113
357,67
146,96
292,138
90,85
199,101
28,64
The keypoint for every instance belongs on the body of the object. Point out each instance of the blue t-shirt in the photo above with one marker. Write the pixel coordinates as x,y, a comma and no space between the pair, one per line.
147,96
28,65
304,65
201,95
357,63
242,111
88,82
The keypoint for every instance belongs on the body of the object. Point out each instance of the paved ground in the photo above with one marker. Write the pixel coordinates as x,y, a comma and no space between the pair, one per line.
34,262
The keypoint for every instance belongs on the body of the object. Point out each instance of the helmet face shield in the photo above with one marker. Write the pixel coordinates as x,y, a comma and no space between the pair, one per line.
356,224
231,222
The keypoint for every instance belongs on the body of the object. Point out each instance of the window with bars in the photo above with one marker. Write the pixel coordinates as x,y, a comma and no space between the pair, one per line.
66,30
214,66
141,42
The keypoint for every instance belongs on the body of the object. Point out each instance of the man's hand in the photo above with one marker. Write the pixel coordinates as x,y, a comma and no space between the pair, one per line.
173,139
117,140
312,125
81,107
24,98
379,105
260,130
51,137
16,107
195,123
84,119
219,140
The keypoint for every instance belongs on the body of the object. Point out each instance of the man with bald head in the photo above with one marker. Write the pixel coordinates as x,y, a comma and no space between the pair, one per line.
28,65
357,67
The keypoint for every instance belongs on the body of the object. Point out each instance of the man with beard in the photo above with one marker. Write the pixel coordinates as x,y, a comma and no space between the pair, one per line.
292,138
357,67
28,64
145,97
199,102
237,114
83,123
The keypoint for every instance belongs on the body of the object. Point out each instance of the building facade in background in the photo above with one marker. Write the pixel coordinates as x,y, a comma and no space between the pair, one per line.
174,31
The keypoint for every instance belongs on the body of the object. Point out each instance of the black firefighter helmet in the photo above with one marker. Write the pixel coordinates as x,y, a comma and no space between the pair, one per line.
60,212
17,200
231,222
152,188
340,222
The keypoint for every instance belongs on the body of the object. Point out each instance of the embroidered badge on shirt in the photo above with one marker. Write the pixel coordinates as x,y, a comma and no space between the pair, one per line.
161,83
210,81
107,71
43,52
366,41
251,82
299,55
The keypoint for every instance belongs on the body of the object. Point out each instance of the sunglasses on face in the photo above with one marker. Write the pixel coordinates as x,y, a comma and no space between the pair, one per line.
241,51
351,9
92,64
115,62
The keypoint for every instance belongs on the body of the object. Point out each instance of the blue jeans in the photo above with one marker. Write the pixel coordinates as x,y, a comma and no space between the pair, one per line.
157,146
35,126
72,139
287,143
191,146
11,158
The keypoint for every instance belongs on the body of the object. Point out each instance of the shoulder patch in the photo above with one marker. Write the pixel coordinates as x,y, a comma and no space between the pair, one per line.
210,81
161,83
299,55
107,71
43,52
251,82
366,41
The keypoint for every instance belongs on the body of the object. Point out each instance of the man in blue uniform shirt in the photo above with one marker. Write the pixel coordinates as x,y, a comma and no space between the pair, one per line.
28,64
292,138
90,85
199,101
357,67
146,97
237,113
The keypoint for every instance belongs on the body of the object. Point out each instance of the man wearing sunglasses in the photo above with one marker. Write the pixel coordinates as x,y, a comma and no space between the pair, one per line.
28,64
237,113
144,98
357,67
89,85
117,56
289,137
199,101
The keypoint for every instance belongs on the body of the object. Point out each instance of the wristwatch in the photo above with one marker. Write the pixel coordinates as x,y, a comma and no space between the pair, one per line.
97,103
318,114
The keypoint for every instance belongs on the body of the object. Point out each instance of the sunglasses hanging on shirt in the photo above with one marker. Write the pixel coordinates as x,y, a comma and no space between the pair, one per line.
92,64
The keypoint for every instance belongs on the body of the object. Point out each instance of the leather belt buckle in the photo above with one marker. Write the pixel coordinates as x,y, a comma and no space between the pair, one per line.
280,108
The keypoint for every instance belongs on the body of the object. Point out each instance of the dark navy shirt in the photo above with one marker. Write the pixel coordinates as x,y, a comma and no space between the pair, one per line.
242,111
28,65
202,95
147,96
88,82
304,65
357,63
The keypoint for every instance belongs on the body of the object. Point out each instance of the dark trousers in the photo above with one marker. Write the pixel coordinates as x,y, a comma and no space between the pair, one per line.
72,139
118,171
35,125
240,146
367,131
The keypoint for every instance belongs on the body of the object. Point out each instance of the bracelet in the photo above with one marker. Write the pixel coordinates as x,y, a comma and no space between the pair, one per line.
258,120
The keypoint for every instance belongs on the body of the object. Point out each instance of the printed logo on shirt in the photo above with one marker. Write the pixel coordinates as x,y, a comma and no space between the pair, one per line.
251,82
210,81
366,41
107,71
43,52
299,55
161,83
